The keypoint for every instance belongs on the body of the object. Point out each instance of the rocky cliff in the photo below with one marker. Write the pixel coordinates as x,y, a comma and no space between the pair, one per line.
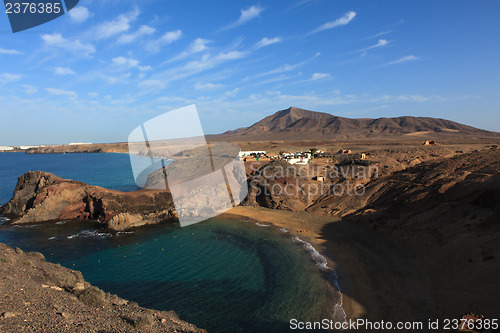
445,214
442,210
41,196
38,296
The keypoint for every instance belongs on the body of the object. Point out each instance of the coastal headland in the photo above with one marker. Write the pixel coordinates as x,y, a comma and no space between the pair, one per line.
41,296
416,239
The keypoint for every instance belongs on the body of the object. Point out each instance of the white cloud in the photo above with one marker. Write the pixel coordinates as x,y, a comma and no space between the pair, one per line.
29,89
7,77
127,62
93,94
267,41
61,92
319,76
278,78
167,38
145,68
380,34
380,43
63,71
196,46
248,14
10,52
281,69
348,17
116,26
407,58
232,93
207,61
207,86
143,30
286,67
171,36
74,46
152,83
79,14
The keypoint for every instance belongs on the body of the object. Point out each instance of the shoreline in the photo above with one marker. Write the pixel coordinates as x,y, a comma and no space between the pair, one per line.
320,260
304,235
368,268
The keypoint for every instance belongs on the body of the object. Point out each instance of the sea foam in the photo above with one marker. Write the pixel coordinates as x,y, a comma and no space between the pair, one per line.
338,312
89,234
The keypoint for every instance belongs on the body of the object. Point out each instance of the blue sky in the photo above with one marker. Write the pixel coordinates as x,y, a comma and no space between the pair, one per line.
96,73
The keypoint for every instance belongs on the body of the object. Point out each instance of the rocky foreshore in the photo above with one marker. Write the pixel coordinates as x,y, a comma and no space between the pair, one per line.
41,196
38,296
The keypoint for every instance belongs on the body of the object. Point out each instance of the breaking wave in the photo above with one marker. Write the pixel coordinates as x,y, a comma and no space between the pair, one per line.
338,312
123,233
4,219
90,234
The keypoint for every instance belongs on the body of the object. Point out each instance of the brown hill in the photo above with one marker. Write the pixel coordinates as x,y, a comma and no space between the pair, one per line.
299,124
443,212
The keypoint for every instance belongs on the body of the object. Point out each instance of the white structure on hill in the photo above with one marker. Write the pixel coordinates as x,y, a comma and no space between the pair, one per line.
298,160
8,148
251,153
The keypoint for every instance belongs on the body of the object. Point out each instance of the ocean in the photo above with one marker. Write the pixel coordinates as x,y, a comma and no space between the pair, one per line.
224,275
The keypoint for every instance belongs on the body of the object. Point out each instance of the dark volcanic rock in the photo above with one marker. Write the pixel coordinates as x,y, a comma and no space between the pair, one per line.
41,196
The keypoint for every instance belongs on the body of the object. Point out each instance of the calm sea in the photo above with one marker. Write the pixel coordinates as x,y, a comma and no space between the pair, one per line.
223,275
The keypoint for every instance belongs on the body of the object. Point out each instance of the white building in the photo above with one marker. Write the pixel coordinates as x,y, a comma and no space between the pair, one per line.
298,160
28,147
249,153
6,148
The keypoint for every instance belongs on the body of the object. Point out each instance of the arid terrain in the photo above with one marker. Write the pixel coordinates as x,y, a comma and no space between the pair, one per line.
440,213
296,128
38,296
413,234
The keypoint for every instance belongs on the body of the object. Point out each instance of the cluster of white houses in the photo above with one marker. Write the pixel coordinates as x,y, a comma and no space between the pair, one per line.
9,148
251,153
300,157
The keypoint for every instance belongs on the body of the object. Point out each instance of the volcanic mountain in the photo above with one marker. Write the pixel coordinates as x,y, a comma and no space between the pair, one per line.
299,124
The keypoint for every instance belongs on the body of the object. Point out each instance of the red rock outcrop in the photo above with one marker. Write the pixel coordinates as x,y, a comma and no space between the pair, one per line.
41,196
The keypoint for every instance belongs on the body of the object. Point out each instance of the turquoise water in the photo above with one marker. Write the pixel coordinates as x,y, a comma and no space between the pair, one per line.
107,170
224,275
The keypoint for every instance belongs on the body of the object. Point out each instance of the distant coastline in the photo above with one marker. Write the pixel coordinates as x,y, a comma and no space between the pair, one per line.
289,127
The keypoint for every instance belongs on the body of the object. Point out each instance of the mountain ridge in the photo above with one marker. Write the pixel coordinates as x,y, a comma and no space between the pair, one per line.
299,124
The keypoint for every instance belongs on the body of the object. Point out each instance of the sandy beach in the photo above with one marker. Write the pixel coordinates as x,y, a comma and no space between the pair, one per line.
377,280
